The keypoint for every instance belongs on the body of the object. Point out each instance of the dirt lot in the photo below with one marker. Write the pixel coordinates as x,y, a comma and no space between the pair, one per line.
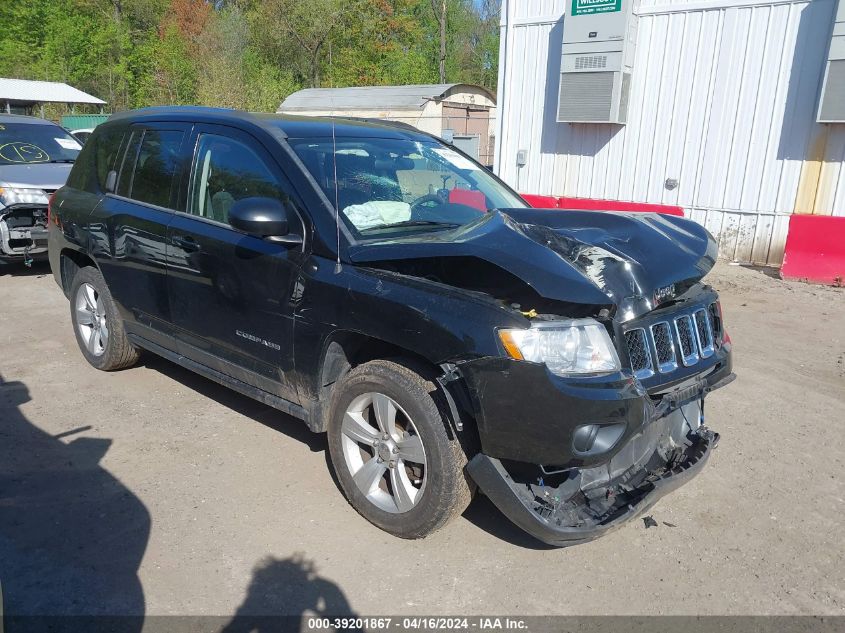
155,491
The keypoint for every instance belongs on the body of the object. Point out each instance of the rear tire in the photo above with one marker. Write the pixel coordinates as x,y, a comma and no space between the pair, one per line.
97,324
391,452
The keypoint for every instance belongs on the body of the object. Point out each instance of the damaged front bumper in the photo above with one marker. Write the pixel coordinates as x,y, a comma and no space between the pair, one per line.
531,466
23,232
579,505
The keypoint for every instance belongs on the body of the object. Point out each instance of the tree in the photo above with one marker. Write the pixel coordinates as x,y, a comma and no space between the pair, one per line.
474,42
381,45
189,17
244,53
168,72
230,73
309,24
439,8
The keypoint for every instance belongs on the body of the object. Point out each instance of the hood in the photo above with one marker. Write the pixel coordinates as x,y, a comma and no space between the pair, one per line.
630,260
35,175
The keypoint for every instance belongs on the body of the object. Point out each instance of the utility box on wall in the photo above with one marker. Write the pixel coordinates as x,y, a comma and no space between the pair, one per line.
599,40
832,100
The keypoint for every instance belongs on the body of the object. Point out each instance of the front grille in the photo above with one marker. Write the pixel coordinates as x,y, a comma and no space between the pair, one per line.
684,338
639,353
704,333
664,346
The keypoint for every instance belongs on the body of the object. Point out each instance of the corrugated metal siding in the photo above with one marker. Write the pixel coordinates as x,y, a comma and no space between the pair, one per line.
83,121
723,99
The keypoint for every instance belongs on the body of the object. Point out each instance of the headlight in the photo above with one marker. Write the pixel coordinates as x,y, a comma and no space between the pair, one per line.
19,195
577,346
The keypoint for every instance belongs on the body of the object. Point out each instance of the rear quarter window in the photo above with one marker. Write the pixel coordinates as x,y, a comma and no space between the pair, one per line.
83,174
106,147
96,160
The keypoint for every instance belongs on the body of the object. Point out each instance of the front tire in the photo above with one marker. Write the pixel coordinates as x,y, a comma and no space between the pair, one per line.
391,452
97,324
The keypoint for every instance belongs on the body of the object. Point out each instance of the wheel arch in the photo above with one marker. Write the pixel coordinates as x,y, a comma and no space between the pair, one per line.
344,350
70,262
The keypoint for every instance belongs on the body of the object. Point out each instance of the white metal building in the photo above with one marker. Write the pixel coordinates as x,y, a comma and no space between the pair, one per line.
463,112
723,99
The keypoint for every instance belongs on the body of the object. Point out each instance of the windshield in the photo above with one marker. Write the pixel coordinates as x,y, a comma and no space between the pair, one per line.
36,143
395,186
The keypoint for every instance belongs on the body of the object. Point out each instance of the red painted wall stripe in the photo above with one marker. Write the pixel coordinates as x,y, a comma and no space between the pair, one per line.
540,202
592,204
815,249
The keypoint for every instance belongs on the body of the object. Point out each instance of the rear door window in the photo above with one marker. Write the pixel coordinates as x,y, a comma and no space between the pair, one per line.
150,165
127,164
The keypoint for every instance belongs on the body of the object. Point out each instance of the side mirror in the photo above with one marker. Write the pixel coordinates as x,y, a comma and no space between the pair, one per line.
266,218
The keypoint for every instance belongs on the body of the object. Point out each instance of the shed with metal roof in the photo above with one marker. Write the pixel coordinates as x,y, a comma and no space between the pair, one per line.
461,113
21,95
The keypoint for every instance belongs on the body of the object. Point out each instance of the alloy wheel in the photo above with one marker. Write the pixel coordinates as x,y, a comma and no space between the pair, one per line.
91,322
384,452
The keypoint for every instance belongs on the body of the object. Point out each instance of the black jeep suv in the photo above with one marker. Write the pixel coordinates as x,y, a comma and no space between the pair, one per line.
383,287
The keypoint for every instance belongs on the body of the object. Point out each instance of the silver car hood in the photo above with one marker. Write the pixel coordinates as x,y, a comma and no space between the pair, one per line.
35,175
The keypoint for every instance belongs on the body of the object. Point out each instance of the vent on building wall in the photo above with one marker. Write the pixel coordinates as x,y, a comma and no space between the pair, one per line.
599,37
585,96
590,61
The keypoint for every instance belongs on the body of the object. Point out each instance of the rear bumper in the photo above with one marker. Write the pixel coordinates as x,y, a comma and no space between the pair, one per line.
583,504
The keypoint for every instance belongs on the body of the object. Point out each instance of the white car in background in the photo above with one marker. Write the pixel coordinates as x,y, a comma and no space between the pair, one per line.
83,134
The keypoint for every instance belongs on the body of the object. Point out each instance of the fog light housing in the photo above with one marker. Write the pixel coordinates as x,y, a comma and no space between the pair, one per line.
595,439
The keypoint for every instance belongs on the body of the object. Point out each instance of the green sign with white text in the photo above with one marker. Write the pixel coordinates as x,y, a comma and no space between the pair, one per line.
586,7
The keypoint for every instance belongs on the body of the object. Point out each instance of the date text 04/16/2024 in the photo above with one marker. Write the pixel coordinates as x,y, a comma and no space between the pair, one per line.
421,623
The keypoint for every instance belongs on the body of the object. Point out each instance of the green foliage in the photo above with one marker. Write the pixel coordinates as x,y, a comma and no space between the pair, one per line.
247,54
170,75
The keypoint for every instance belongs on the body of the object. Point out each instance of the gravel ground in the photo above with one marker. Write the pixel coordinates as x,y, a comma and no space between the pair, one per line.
155,491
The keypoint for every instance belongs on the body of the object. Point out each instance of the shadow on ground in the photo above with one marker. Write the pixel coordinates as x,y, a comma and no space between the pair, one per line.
483,514
19,269
283,594
71,535
768,271
262,413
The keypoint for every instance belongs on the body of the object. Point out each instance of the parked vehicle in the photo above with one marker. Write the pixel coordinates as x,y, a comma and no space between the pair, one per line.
82,134
445,335
35,160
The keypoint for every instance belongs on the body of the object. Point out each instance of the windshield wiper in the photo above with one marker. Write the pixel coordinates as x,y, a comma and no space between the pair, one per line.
394,225
63,160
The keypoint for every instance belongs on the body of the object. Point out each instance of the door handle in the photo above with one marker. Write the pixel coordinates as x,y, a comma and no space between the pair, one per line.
185,242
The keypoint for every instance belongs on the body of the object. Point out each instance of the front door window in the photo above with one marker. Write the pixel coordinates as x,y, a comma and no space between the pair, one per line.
226,170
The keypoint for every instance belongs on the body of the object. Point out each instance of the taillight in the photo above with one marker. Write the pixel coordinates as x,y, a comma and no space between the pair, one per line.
50,207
